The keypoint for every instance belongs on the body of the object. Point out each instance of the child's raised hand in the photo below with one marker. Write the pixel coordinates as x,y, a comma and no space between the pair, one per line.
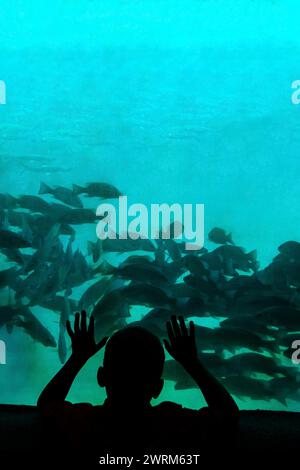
181,344
83,340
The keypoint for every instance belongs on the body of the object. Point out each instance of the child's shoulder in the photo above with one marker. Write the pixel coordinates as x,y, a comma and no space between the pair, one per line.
169,407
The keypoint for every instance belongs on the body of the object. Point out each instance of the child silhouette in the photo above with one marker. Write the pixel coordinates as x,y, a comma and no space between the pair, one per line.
132,376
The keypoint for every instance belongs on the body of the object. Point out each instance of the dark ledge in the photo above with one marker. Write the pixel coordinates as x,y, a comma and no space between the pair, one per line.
258,430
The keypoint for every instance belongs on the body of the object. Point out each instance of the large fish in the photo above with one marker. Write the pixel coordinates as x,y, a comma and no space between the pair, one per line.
255,389
249,363
140,272
286,318
65,316
10,239
37,330
93,293
119,245
219,236
102,190
146,295
33,203
62,194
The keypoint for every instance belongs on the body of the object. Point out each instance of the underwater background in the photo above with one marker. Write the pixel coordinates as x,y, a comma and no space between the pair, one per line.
183,101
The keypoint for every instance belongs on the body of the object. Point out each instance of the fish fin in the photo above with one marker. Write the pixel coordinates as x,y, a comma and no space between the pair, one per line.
77,189
281,400
44,189
106,268
90,247
5,224
68,292
10,326
252,255
229,239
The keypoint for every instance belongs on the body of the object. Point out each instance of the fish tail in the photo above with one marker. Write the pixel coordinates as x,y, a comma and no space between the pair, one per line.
252,255
90,247
68,292
77,189
106,268
281,400
44,189
229,239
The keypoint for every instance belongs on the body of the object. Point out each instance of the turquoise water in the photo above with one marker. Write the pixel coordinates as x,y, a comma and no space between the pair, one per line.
171,101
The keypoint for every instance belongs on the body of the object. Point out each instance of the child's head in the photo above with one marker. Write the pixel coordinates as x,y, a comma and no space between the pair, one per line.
133,366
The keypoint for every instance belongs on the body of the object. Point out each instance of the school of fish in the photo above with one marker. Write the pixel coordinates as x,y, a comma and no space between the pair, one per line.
256,311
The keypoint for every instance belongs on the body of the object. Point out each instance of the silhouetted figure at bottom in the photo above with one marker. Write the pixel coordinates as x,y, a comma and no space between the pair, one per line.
127,424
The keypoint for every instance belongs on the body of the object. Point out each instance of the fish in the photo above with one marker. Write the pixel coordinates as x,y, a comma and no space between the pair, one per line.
182,290
174,372
16,218
27,232
119,245
286,318
65,316
249,363
233,339
173,249
46,245
112,304
139,272
9,277
241,284
15,255
56,303
146,295
286,340
172,270
219,236
42,225
158,314
274,275
33,203
194,306
102,190
256,311
37,330
291,250
62,194
248,322
93,293
234,257
78,217
62,345
9,313
7,201
94,250
41,282
11,240
284,388
255,389
196,266
174,230
208,288
253,303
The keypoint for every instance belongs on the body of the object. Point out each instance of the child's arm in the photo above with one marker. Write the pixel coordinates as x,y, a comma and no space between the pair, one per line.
182,347
83,348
